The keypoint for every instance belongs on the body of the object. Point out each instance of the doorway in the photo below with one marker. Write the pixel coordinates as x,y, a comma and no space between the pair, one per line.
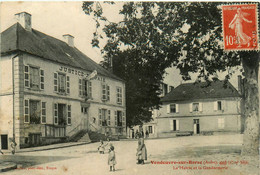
196,126
61,114
4,142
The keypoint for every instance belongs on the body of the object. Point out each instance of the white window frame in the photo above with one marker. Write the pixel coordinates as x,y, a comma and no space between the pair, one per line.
43,112
69,115
27,77
108,117
26,111
119,95
177,125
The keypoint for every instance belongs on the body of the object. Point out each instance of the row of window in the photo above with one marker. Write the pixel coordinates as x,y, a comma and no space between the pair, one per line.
105,116
175,124
35,112
194,107
34,79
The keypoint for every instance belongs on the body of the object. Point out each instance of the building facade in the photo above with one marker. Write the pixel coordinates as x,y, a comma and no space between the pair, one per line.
49,90
200,109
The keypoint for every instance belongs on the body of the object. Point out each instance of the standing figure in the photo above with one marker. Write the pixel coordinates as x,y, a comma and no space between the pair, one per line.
141,151
112,158
146,133
13,146
101,147
236,23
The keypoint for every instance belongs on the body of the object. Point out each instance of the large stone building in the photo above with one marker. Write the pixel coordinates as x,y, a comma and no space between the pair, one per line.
49,90
200,109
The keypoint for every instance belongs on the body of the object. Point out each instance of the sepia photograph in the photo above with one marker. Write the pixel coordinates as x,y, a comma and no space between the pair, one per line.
129,87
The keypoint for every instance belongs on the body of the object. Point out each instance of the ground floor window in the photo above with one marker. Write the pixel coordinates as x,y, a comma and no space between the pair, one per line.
150,129
35,112
4,141
174,124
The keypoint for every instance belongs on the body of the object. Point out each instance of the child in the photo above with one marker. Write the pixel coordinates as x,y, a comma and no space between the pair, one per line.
101,147
109,144
112,158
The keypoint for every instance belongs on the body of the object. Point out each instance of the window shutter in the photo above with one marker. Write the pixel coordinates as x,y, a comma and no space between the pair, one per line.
43,118
80,87
26,111
108,93
177,108
123,118
104,95
115,118
69,115
90,89
55,113
68,84
42,79
26,77
177,125
100,117
171,125
55,82
215,105
200,107
108,117
168,108
190,107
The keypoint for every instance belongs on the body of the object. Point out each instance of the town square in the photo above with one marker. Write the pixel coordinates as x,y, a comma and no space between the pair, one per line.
129,87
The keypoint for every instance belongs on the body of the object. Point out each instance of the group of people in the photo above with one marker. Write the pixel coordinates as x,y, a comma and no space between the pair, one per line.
111,153
141,154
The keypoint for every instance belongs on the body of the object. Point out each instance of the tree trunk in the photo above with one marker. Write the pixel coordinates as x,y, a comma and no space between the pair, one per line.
251,109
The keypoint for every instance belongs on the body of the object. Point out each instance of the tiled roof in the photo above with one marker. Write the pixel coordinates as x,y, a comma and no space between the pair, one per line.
16,38
202,90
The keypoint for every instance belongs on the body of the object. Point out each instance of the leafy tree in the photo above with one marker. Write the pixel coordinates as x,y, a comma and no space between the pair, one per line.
155,35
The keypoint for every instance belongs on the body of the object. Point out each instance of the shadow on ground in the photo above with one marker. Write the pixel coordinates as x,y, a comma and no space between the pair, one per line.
28,161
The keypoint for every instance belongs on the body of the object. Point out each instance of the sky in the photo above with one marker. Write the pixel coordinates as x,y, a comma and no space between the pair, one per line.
67,17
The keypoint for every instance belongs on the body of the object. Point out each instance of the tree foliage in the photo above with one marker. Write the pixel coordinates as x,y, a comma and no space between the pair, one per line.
153,36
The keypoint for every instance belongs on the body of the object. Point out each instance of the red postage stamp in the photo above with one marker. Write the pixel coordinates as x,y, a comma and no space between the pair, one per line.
240,27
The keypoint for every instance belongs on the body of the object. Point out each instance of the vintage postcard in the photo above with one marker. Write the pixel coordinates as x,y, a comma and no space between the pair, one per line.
129,87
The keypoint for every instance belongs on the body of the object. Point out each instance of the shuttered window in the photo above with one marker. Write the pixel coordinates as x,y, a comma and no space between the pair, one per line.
26,77
55,113
90,89
55,76
68,85
174,125
104,94
108,92
69,115
42,79
119,95
43,118
80,87
26,111
115,115
123,119
108,117
100,117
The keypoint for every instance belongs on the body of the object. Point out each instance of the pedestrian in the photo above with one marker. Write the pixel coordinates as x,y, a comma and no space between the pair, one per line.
13,146
101,147
112,158
146,133
109,144
141,151
136,134
142,133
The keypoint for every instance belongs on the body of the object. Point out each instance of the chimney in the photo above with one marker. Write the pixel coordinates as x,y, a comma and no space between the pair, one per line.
24,19
69,39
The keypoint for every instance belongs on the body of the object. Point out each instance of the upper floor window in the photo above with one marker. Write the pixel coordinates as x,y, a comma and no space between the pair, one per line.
195,107
218,105
173,108
85,88
61,83
105,92
119,95
33,77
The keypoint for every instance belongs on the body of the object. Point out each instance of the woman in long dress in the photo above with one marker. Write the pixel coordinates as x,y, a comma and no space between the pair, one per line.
141,151
236,23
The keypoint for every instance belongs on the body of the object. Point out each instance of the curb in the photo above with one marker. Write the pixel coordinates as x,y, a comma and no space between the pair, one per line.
44,149
7,166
